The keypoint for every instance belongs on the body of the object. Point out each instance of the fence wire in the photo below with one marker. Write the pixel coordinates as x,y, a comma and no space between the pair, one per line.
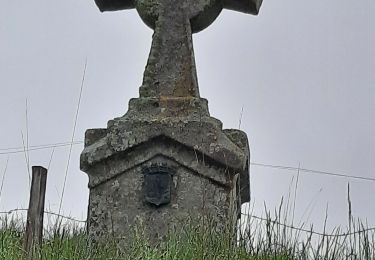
310,231
45,212
16,150
299,229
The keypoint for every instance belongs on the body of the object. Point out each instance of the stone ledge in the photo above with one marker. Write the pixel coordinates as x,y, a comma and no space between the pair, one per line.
204,136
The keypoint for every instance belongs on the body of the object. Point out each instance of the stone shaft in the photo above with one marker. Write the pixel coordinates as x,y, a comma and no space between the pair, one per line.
170,70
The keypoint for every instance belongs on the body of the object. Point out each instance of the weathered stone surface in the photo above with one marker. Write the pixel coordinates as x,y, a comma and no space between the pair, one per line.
211,167
201,133
166,159
170,69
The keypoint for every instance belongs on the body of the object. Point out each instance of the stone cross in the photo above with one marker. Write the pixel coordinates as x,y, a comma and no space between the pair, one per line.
166,160
170,70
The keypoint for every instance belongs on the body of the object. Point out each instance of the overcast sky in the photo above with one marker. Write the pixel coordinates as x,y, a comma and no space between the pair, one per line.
303,72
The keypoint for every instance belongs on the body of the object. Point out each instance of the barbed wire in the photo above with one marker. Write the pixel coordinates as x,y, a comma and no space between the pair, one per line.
45,212
301,229
310,231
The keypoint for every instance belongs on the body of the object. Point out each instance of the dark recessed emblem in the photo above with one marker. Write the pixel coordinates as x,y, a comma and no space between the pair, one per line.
157,184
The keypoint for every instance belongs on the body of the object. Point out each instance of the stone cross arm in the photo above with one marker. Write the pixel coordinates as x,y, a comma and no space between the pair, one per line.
114,5
246,6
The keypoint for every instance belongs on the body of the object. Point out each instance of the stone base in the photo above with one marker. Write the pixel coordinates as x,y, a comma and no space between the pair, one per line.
163,162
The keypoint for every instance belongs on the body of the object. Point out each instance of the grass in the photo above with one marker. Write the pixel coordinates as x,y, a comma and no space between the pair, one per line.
273,237
69,242
262,240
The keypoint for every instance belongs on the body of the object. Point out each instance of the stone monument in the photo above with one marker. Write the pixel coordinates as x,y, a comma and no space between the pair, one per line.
166,160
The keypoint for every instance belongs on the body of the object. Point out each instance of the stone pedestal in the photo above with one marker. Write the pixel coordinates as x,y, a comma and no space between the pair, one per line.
164,161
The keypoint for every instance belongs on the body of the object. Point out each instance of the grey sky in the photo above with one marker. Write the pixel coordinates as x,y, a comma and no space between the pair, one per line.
301,70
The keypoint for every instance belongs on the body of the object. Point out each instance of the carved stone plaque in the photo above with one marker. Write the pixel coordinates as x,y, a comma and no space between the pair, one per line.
157,185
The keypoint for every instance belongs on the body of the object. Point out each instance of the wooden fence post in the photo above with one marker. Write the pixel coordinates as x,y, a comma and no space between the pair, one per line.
34,225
